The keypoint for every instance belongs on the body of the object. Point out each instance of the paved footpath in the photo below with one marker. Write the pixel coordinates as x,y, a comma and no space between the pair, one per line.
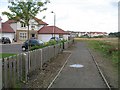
84,77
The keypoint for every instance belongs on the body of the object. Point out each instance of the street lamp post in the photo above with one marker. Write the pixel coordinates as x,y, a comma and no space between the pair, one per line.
54,23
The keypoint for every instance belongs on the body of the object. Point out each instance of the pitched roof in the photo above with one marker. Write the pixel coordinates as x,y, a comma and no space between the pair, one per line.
6,28
49,30
39,21
10,21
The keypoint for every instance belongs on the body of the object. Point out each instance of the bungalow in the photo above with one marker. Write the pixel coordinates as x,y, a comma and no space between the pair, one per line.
47,32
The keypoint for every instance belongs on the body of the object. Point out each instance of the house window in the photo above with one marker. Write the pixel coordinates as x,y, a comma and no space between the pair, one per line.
22,35
60,36
32,27
23,25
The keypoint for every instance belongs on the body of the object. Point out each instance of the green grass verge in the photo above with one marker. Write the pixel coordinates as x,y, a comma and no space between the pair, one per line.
4,55
108,50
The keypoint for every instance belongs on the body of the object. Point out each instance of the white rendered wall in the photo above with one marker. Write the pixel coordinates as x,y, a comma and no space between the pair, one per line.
14,26
32,23
65,37
46,37
9,35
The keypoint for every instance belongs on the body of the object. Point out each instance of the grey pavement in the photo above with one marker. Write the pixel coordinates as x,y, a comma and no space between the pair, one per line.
84,77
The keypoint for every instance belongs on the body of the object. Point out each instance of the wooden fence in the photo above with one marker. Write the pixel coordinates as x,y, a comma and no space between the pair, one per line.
0,74
16,69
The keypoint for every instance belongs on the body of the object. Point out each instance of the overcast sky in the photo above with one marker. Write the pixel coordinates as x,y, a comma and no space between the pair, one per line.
79,15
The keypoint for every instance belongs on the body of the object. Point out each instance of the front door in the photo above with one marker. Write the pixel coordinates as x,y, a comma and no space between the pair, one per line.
32,35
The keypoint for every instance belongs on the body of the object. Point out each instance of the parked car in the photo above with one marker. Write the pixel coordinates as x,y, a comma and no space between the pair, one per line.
32,42
56,39
5,40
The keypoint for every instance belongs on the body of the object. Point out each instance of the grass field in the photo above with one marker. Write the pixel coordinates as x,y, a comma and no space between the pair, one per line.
4,55
107,46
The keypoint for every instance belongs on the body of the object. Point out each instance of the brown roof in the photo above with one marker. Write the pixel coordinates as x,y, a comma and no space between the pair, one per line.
39,21
6,28
49,30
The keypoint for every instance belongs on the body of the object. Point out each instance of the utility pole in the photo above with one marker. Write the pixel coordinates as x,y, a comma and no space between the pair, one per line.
54,23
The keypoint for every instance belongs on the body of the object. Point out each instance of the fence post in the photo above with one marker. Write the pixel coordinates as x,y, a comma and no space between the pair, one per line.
5,73
26,66
14,71
10,72
0,73
41,58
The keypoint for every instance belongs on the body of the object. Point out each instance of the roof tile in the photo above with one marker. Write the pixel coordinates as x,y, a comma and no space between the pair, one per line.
49,30
6,28
40,21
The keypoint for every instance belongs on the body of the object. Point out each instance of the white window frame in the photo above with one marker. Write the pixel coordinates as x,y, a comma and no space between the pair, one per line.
22,35
23,25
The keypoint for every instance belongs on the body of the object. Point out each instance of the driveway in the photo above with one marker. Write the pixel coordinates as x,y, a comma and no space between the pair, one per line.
10,48
85,76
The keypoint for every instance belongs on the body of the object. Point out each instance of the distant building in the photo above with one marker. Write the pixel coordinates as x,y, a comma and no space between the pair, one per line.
73,34
92,34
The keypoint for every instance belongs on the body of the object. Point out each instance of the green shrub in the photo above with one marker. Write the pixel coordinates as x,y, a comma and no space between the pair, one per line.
35,47
52,42
101,36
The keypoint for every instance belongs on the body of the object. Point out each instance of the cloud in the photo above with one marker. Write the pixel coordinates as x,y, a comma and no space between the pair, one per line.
86,15
82,15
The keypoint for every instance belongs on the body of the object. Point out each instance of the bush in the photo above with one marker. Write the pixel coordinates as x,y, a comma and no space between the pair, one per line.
35,47
52,42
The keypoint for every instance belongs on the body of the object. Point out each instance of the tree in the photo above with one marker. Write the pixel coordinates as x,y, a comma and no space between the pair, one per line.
25,10
115,34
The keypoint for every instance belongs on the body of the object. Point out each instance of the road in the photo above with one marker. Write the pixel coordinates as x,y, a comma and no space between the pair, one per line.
85,76
10,48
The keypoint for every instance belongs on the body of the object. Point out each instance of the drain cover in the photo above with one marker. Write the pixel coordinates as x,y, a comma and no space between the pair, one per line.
77,65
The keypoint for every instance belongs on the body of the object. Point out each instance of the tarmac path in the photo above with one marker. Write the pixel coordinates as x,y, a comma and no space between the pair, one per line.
86,76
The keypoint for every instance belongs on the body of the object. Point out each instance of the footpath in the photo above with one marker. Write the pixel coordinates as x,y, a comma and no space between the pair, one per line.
80,71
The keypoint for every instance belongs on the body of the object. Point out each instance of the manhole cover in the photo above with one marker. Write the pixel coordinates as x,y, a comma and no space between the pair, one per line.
77,65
